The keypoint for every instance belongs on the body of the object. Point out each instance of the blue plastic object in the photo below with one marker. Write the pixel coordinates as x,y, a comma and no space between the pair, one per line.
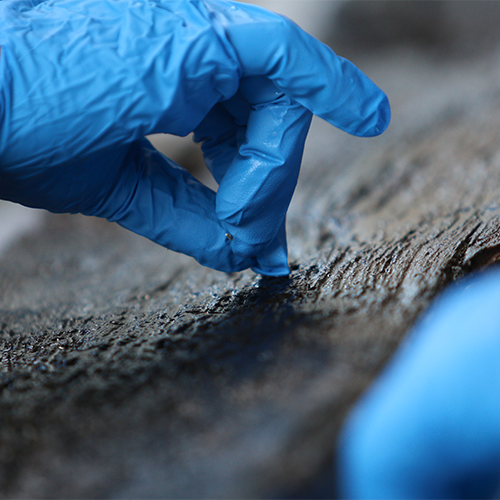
83,81
430,425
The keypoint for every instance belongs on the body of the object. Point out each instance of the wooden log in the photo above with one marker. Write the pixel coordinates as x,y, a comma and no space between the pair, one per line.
131,371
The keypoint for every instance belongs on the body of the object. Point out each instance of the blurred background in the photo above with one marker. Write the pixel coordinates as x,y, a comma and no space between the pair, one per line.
350,26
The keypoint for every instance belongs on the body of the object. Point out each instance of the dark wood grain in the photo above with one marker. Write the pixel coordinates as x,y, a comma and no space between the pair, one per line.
130,371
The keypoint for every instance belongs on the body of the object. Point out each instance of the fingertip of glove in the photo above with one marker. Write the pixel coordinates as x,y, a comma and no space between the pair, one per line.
276,271
383,114
384,110
268,260
273,262
372,119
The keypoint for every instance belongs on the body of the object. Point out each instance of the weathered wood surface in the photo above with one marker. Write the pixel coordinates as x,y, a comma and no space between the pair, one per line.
130,371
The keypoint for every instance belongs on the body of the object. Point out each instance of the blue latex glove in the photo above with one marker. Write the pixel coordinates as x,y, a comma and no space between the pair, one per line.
83,81
430,426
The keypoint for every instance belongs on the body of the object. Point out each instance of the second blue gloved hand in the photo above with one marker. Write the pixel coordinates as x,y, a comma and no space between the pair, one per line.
430,426
82,82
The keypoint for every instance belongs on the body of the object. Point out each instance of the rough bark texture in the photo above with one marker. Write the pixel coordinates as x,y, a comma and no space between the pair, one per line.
130,371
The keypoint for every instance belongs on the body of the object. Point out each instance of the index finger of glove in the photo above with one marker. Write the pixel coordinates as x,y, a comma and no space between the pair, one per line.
255,192
304,68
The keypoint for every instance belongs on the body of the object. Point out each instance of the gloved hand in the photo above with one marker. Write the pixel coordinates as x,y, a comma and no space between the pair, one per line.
430,426
83,81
